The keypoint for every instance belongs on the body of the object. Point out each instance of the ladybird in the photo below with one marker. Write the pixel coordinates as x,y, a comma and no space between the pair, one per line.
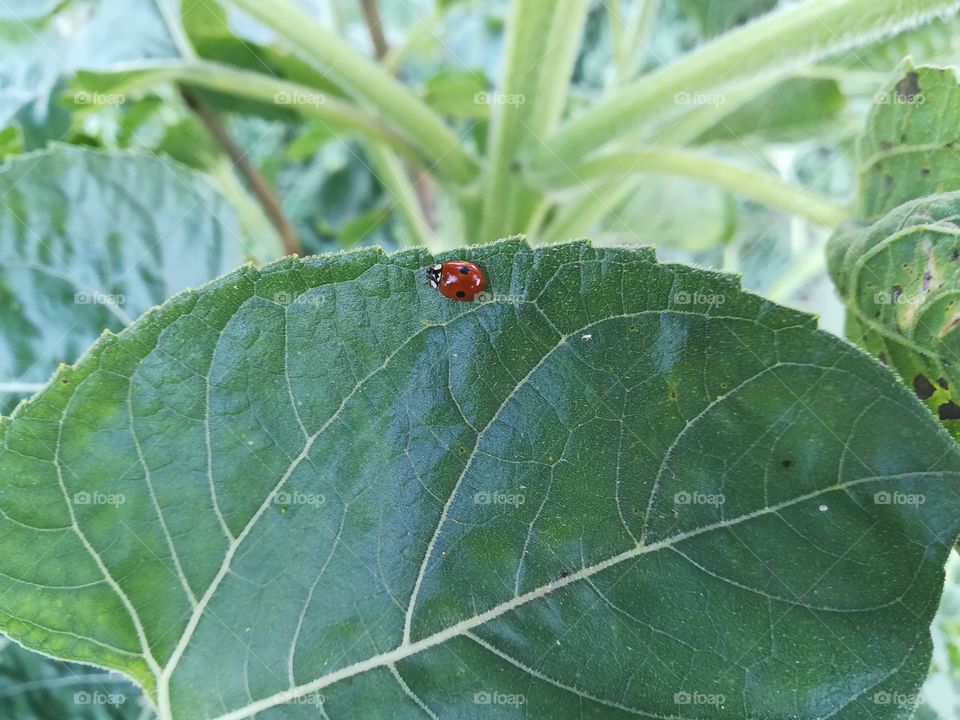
457,279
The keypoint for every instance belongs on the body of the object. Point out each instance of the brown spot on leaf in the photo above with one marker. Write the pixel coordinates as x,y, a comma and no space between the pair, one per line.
923,387
949,411
908,87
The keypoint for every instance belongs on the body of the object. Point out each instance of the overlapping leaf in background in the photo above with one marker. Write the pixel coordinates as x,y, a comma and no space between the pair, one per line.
899,268
89,241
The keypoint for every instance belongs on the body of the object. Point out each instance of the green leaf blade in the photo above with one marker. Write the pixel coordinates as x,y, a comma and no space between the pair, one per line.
337,456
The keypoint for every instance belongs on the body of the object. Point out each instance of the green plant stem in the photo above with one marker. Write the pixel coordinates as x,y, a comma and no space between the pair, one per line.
754,184
392,174
298,98
578,217
412,189
541,47
775,45
369,82
636,40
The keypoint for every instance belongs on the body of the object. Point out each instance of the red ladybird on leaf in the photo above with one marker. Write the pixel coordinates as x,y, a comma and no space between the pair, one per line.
457,279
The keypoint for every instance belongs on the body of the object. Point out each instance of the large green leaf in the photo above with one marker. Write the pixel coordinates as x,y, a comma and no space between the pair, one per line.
90,241
617,487
32,686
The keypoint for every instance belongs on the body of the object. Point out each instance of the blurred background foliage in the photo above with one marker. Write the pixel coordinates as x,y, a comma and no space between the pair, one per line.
101,75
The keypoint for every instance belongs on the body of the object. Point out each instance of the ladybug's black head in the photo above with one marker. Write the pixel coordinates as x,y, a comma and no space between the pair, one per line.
433,275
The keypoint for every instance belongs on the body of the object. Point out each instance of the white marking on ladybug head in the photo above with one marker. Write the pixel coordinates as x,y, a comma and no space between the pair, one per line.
433,275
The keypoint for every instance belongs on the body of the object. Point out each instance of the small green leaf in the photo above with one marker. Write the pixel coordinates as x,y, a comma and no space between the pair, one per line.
910,146
616,489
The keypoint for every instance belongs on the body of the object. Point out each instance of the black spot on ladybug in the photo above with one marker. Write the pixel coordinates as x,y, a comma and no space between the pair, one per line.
908,87
786,463
461,293
924,171
464,270
949,411
942,382
923,387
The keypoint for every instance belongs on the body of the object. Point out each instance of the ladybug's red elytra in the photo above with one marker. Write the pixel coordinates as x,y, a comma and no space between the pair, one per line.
457,279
